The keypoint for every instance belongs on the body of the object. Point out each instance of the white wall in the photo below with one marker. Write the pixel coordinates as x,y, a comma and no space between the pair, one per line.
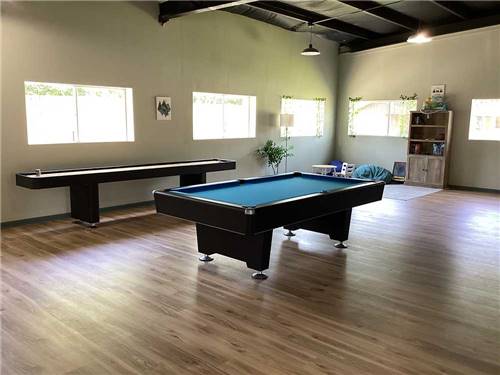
468,63
122,44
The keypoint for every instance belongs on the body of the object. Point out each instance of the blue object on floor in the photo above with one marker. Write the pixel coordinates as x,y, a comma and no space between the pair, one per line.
372,172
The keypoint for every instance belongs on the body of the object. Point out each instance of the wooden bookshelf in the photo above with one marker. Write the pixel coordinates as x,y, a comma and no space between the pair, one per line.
429,148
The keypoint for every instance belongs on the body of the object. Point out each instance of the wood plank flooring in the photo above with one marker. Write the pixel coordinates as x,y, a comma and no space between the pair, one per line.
416,292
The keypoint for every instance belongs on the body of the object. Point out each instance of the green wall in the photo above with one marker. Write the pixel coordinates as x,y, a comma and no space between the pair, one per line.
468,63
122,44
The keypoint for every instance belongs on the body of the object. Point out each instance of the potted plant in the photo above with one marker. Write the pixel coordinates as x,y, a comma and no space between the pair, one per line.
273,154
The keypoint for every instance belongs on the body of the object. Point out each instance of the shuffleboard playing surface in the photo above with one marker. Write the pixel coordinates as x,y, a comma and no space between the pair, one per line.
120,169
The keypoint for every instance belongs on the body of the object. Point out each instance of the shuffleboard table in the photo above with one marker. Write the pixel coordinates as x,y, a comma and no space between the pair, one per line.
237,218
83,182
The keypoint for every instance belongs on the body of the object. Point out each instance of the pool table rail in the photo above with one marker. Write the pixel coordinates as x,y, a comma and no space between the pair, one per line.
227,216
263,217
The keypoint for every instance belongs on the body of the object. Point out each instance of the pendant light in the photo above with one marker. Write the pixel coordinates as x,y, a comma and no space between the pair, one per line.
420,37
310,51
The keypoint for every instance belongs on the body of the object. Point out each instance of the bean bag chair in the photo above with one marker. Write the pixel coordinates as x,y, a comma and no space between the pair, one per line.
372,172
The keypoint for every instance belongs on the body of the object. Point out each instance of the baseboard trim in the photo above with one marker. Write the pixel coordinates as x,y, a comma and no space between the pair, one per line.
145,203
66,215
471,188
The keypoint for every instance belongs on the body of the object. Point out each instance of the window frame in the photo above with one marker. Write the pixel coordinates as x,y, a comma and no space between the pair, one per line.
470,122
387,101
320,117
252,119
128,107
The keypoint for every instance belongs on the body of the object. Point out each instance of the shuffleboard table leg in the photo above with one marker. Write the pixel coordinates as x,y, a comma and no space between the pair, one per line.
206,258
193,179
85,203
85,224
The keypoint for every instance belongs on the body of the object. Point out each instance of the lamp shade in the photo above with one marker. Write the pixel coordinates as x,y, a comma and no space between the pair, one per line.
310,51
286,120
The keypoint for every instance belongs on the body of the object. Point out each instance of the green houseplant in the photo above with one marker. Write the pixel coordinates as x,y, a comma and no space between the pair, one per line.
273,154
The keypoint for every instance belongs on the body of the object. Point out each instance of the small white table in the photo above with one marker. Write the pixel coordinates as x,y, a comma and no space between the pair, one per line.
324,169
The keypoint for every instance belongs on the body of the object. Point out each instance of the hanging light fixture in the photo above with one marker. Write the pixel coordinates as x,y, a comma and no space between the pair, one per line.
310,51
419,38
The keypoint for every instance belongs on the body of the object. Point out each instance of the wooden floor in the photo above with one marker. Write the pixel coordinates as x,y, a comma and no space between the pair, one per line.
417,292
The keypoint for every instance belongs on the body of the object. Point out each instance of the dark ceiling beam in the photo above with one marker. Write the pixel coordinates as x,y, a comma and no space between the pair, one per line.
463,25
384,13
308,16
457,8
174,9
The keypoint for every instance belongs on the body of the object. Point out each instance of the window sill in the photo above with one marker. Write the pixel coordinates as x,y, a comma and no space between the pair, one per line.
378,136
222,139
303,136
77,143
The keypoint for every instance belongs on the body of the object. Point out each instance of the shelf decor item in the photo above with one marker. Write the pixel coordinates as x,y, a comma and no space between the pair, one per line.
429,148
437,93
438,149
418,148
435,102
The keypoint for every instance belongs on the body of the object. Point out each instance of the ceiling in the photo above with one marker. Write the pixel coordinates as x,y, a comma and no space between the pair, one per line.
355,25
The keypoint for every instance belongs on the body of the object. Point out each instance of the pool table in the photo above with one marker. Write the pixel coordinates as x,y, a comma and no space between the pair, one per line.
237,218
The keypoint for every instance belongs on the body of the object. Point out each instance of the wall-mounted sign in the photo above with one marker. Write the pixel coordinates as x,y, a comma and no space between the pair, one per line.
163,108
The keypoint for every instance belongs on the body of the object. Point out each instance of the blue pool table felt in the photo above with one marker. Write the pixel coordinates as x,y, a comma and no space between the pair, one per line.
261,191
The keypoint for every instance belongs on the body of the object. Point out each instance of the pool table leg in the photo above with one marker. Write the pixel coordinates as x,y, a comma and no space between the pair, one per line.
255,250
336,225
341,222
259,275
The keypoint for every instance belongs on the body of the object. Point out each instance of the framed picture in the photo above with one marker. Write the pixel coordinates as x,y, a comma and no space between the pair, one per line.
438,92
399,171
163,108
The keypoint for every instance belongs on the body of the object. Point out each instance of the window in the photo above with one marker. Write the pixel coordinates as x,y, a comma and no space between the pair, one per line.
66,113
485,120
308,119
380,117
222,116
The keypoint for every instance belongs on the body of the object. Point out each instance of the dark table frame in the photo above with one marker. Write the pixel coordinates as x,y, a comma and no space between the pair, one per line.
245,232
84,191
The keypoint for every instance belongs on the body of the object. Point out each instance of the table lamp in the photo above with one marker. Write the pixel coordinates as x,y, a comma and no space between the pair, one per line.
286,121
